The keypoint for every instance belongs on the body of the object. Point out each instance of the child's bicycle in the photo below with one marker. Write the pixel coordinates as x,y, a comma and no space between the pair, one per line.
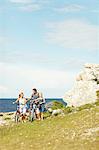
20,116
17,114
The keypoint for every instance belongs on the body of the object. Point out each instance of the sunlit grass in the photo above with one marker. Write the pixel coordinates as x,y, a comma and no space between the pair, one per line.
67,132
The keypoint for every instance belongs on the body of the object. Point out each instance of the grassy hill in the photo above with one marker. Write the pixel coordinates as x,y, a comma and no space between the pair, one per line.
76,130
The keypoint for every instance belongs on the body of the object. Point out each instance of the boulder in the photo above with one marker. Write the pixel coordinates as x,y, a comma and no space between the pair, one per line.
57,112
85,87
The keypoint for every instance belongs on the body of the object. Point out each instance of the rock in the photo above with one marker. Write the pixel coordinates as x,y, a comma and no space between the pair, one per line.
50,110
11,113
85,87
2,122
48,105
1,115
57,112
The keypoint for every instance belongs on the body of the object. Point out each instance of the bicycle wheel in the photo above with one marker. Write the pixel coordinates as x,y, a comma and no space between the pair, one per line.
32,115
17,118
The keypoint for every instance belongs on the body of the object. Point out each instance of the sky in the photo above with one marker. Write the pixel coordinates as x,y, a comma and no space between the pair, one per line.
44,44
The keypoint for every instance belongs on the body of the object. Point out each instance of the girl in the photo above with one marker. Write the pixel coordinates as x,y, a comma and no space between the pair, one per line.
22,105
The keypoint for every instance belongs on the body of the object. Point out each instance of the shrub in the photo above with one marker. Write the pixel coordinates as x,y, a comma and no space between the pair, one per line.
97,103
47,114
86,106
57,105
68,110
7,118
97,94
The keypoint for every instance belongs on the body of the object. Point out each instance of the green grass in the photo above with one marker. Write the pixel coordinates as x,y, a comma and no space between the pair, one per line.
97,94
86,106
69,132
7,118
57,105
68,110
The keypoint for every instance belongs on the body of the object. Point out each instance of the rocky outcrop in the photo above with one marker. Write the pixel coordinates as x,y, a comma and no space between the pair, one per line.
85,87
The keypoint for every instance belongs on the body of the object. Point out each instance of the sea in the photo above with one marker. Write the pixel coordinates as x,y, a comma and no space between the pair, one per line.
6,104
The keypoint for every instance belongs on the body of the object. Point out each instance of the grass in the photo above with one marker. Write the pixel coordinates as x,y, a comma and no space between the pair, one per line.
97,94
57,105
74,131
7,118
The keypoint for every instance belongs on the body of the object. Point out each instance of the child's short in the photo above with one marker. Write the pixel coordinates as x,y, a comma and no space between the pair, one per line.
22,110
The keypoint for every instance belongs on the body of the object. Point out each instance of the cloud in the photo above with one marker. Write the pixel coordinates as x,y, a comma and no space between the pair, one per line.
29,1
74,64
40,77
73,34
29,57
23,77
3,89
27,5
95,11
20,1
30,7
2,39
69,8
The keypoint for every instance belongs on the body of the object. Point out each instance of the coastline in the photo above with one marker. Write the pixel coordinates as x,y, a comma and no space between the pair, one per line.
6,104
6,118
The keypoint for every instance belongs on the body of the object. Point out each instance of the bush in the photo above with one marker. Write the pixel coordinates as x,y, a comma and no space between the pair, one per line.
86,106
7,118
57,105
97,103
47,114
97,94
68,110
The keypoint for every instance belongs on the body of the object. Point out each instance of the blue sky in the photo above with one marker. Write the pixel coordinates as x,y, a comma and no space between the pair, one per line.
45,43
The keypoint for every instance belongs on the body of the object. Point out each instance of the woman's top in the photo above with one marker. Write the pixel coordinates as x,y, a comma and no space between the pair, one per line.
22,102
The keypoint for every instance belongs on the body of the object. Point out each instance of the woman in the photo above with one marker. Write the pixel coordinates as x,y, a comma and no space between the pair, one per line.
22,105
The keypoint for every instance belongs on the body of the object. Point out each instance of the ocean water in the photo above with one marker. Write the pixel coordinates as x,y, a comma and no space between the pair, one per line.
6,105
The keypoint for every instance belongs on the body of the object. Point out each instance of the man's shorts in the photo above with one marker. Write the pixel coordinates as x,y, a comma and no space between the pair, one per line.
42,108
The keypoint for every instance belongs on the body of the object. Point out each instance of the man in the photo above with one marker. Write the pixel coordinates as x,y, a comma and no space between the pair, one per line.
37,101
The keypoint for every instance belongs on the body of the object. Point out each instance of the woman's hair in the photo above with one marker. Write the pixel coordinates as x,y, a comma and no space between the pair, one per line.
19,95
22,94
35,90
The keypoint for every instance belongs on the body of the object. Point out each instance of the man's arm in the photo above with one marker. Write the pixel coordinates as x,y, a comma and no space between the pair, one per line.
40,96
